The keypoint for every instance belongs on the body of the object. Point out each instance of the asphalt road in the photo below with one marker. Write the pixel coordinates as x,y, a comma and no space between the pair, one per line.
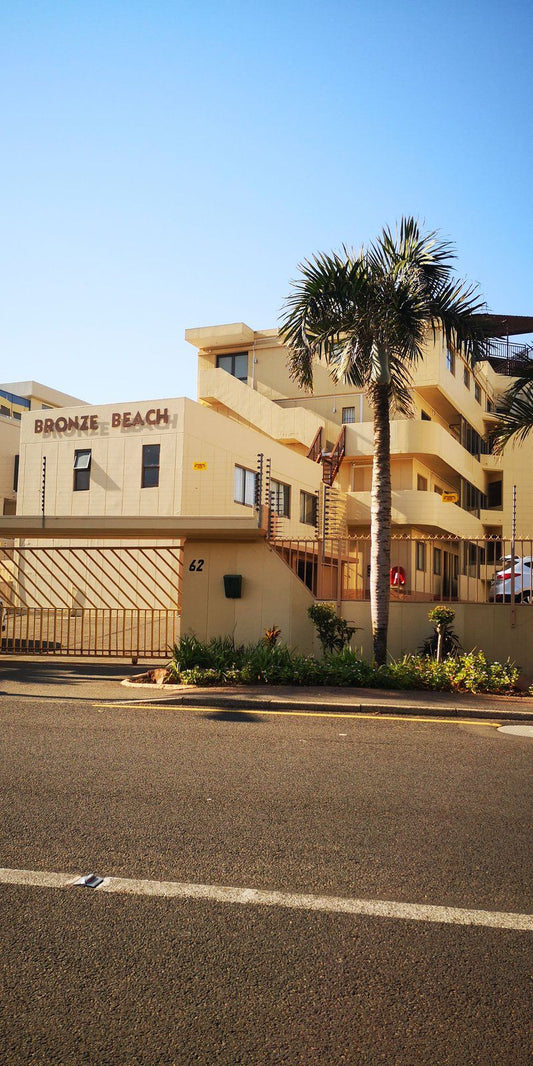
402,811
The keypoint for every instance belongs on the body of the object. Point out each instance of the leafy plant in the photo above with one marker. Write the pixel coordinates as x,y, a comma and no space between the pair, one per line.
444,641
333,632
271,636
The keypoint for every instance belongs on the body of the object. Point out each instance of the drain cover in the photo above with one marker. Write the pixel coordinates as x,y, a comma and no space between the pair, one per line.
90,881
517,730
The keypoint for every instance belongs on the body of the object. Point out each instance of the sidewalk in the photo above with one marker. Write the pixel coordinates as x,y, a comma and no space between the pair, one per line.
99,679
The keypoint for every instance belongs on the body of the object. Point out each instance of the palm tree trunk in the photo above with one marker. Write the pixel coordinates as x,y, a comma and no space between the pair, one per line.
380,523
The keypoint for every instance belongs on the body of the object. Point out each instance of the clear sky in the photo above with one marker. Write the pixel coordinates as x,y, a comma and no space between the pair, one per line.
168,164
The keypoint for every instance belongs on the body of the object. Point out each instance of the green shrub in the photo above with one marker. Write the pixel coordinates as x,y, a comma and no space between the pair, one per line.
443,642
219,662
333,632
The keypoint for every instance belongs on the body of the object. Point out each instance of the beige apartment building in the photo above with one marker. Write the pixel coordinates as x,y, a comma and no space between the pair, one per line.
261,480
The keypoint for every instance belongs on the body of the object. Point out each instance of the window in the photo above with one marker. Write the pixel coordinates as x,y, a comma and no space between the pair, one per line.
236,365
494,496
244,487
477,392
150,470
82,470
437,489
450,361
308,508
348,415
280,498
16,473
490,405
424,416
10,507
421,483
17,414
437,560
4,410
466,376
420,555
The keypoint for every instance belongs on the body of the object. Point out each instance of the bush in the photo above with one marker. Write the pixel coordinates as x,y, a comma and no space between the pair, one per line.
333,632
220,662
443,642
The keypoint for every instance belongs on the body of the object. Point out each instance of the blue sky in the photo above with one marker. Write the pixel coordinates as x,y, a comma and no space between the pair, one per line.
169,164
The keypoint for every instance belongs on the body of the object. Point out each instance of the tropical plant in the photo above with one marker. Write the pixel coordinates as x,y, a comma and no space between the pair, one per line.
443,641
333,632
515,411
367,315
271,636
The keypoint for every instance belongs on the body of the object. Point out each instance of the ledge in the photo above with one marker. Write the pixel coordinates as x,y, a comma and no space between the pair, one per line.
178,527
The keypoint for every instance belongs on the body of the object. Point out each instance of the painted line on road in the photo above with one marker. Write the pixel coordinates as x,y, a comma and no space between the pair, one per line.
376,716
376,908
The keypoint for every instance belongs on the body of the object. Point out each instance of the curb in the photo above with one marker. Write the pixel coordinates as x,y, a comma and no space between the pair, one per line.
237,703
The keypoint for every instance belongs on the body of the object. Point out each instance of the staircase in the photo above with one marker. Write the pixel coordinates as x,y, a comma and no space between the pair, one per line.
332,460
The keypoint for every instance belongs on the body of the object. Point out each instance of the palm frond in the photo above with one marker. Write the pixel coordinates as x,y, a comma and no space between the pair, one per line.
515,412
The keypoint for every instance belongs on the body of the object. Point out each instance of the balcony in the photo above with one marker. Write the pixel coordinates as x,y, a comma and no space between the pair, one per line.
292,425
428,441
425,510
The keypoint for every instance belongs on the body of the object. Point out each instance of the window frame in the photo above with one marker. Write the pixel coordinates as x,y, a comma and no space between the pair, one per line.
450,361
466,377
477,392
421,483
345,420
146,466
233,356
421,556
308,498
249,482
285,511
82,471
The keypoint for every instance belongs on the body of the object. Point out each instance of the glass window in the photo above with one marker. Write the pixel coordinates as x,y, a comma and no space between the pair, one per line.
308,508
421,483
280,498
235,364
4,410
244,486
150,468
425,417
82,470
348,415
16,473
450,361
477,392
438,489
437,560
466,376
420,555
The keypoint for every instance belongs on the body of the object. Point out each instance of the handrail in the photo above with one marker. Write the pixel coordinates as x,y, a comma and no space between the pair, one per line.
315,451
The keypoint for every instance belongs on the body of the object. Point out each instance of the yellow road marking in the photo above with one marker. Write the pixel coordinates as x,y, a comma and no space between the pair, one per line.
376,716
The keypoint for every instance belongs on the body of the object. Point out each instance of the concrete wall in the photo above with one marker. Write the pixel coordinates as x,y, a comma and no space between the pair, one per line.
478,625
271,595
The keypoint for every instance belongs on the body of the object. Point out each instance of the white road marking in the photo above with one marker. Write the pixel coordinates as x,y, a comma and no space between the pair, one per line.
522,730
376,908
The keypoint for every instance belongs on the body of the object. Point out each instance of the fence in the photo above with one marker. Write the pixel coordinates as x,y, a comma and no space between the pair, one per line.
111,601
422,569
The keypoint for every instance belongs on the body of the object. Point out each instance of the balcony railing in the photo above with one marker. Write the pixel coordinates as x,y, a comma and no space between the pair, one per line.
423,569
507,357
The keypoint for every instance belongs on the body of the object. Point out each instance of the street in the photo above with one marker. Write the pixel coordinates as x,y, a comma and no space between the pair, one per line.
356,809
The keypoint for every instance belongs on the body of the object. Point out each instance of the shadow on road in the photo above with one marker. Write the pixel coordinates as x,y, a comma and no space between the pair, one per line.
233,716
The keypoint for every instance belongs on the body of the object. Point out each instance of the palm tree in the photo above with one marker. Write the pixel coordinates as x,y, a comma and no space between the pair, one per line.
515,411
367,316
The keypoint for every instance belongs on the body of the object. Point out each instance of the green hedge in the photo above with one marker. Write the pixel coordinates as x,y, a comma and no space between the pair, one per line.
221,662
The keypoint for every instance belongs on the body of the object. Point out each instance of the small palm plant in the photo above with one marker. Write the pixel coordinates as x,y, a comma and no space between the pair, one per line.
443,642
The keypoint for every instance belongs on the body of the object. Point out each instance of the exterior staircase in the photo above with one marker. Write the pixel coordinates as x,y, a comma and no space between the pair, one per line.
331,460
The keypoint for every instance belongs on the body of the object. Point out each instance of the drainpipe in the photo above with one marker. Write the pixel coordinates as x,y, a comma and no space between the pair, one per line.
513,546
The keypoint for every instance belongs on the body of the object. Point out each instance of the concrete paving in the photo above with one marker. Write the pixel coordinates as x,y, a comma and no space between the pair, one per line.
100,679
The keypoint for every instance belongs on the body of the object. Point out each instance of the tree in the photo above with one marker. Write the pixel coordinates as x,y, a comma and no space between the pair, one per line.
367,316
515,411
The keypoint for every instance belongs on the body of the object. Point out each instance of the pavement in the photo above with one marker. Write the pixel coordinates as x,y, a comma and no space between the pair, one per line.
105,679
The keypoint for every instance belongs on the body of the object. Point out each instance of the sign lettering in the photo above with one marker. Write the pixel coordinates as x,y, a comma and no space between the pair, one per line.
119,420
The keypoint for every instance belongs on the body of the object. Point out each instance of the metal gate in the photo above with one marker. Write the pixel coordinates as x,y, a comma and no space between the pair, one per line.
110,601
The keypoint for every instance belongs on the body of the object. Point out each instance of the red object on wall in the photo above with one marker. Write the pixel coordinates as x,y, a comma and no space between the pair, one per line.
397,576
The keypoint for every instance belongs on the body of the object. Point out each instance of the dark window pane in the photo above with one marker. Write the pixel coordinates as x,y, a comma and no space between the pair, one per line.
151,454
150,477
